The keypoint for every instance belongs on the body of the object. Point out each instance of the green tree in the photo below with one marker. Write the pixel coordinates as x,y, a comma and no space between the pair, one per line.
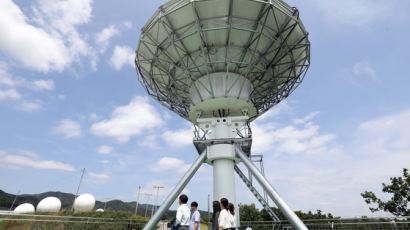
310,215
398,204
249,212
303,215
266,217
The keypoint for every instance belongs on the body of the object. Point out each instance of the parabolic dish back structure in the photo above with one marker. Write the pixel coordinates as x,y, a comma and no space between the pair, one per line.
220,64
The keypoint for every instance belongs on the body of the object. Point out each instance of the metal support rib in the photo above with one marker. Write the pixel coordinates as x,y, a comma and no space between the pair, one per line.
172,196
259,158
280,203
258,196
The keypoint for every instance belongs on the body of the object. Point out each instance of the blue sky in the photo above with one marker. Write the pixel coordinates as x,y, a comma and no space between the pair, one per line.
70,98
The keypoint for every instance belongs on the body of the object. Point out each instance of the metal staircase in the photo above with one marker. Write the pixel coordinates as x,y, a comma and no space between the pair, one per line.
258,196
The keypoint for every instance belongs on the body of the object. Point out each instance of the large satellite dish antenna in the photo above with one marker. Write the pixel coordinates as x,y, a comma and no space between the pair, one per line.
220,64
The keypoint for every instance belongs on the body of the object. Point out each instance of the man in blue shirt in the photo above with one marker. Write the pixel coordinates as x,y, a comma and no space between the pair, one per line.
194,223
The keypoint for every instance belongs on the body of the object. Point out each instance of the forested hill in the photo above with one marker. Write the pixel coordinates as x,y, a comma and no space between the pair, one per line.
67,199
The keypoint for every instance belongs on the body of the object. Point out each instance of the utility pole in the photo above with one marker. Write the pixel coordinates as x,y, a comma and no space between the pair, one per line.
146,206
78,188
156,198
138,197
209,214
15,199
105,203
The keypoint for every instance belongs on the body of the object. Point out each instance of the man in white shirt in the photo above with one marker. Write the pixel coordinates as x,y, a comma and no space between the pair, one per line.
183,213
225,218
195,217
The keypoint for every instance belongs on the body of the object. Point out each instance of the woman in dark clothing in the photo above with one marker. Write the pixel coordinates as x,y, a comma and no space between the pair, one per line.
216,206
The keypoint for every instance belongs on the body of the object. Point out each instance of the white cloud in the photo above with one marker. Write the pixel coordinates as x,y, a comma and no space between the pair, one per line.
150,141
31,160
48,41
385,135
29,106
16,82
64,15
10,94
103,38
105,161
68,128
5,77
279,109
302,138
379,149
128,24
13,85
105,149
170,164
93,117
100,177
363,69
334,178
356,12
178,138
306,118
41,51
43,85
128,120
122,55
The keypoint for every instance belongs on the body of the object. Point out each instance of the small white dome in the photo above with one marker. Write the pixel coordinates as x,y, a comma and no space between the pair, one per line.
84,203
25,208
49,204
100,210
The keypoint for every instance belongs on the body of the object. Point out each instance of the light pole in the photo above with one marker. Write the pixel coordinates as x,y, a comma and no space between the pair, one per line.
146,206
209,214
156,198
138,197
15,199
78,188
105,203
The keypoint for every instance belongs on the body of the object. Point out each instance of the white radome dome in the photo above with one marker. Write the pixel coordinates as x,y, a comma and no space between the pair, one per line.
100,210
49,204
25,208
84,203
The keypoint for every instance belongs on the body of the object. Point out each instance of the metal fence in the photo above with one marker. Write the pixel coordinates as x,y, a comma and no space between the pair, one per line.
47,222
336,224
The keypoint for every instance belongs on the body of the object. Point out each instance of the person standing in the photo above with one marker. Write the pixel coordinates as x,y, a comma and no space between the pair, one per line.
225,218
216,206
231,209
183,213
195,224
